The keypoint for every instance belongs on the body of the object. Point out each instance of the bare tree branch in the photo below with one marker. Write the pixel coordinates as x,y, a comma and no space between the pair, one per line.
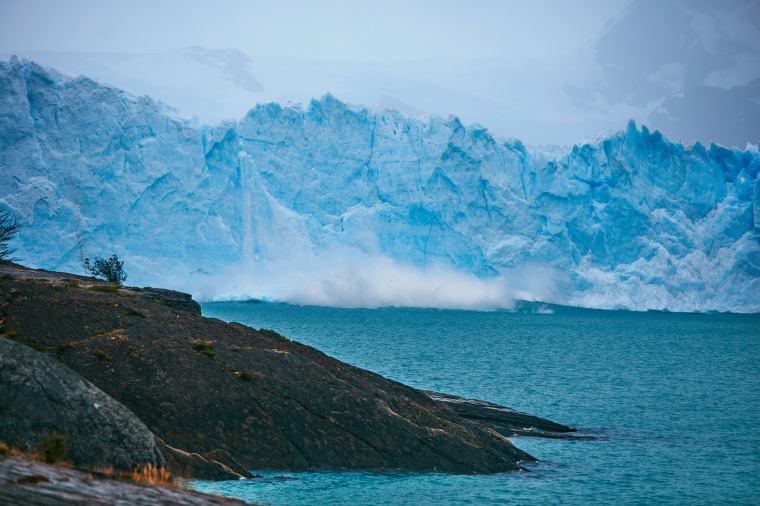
9,227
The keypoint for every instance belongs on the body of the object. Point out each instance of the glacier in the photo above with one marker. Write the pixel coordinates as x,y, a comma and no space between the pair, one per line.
335,204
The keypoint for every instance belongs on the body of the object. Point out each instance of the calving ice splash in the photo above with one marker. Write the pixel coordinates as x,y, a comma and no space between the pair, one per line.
350,278
339,205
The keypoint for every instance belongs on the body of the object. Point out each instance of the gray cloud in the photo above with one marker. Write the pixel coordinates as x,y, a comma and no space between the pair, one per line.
691,69
548,72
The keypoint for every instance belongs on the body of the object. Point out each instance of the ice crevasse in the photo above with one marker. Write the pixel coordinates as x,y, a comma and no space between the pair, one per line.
342,205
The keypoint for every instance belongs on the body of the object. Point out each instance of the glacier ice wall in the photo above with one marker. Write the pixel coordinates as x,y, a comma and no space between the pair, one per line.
340,205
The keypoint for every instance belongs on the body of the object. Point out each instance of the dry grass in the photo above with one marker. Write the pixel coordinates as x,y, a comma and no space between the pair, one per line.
12,451
112,289
151,474
142,474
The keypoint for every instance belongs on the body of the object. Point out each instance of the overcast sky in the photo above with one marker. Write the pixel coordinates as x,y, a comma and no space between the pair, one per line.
549,72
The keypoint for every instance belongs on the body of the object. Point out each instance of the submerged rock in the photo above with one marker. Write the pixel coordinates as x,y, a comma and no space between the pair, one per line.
39,396
506,421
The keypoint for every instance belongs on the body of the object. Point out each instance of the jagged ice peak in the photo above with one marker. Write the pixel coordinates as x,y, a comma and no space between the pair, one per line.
340,205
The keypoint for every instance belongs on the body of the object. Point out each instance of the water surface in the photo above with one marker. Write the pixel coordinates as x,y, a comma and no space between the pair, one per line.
674,398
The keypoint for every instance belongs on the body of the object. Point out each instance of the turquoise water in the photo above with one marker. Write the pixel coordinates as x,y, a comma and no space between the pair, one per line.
674,398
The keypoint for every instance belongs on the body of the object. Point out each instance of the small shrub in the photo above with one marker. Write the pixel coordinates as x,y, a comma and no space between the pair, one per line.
9,335
245,376
137,352
101,355
132,312
204,348
70,283
54,447
111,269
159,302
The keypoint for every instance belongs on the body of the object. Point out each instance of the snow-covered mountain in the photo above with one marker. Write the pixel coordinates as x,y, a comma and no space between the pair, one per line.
340,205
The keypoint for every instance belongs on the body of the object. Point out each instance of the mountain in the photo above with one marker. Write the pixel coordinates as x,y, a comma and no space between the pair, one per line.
338,205
696,76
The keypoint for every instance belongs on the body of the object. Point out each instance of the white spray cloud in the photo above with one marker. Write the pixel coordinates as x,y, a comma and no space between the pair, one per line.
347,277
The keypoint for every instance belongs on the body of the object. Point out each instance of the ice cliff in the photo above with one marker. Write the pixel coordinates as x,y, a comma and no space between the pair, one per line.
342,205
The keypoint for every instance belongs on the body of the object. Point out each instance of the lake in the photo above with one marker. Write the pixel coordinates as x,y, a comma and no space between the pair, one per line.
673,398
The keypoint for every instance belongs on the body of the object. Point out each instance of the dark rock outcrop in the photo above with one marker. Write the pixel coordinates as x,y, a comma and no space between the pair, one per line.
216,465
506,421
170,298
224,458
28,483
201,384
40,396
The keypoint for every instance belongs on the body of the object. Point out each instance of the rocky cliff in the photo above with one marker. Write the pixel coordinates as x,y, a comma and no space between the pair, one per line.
201,384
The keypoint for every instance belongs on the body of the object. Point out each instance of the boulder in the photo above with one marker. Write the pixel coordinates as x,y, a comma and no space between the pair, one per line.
40,396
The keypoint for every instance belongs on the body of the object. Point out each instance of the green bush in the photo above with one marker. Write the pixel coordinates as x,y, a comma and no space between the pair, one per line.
204,349
54,447
111,269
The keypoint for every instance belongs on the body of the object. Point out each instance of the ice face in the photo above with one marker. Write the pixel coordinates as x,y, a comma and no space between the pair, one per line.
339,205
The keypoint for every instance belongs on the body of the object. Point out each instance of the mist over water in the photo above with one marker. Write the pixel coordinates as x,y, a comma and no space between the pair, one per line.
349,278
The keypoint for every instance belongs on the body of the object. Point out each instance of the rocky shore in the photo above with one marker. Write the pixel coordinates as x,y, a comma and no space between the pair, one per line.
219,397
24,482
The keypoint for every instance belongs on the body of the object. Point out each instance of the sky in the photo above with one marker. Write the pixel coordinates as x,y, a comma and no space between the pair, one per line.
545,71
